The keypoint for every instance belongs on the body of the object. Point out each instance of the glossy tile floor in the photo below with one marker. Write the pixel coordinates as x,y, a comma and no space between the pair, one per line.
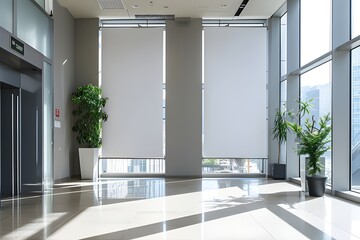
179,209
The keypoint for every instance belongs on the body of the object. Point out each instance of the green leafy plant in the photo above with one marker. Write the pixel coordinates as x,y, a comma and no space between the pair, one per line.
89,115
314,140
210,161
280,129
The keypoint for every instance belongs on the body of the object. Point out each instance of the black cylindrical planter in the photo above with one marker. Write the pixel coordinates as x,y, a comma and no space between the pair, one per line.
316,186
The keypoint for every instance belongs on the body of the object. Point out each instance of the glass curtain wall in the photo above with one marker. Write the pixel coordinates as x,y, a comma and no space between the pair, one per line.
315,28
322,34
355,99
315,41
316,85
283,96
355,119
283,71
283,44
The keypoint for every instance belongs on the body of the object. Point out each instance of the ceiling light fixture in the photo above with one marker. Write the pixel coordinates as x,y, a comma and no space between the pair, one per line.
155,17
241,8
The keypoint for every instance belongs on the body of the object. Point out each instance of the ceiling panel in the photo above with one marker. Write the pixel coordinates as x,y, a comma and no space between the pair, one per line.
255,9
261,8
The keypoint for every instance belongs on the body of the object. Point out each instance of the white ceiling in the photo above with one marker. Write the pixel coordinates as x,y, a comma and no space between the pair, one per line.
255,9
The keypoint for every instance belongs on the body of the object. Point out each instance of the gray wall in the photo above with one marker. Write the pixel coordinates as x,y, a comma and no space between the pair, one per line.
86,65
64,76
75,63
86,51
183,98
76,45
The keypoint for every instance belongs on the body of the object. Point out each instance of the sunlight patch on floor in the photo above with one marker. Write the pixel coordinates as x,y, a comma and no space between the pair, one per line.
117,217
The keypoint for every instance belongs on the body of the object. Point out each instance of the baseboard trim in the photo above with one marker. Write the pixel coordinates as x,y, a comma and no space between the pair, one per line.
348,195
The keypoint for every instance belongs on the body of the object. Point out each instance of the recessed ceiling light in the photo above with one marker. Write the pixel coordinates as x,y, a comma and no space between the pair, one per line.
135,6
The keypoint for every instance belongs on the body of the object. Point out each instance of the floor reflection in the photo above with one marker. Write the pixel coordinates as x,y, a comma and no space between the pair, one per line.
131,189
168,208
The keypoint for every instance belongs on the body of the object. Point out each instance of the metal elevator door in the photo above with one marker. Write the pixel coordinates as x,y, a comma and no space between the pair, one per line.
10,141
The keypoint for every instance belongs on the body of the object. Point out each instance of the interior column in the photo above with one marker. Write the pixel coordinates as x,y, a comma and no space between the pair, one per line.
183,98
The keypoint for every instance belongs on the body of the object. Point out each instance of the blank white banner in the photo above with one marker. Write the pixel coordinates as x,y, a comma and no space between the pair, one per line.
132,79
235,124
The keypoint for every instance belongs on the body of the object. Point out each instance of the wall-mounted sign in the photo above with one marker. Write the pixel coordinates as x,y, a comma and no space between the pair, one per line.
17,45
57,124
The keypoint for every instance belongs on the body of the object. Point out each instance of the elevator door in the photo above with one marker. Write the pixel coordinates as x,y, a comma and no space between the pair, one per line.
10,140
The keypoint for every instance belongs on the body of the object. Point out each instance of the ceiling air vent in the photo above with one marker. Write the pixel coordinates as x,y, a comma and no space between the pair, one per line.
155,17
110,4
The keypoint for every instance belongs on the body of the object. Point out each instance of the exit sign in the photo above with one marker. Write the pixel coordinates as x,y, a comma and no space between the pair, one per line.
17,45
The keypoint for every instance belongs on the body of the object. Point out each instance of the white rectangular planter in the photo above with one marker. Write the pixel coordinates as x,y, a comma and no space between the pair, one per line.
88,162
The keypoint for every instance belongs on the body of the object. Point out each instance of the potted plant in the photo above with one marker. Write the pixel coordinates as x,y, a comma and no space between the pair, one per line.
89,116
279,132
314,141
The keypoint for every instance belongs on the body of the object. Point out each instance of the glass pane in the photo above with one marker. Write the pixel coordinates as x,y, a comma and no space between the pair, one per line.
283,100
315,29
6,14
108,190
283,44
316,85
235,165
109,167
41,3
48,126
33,27
283,93
355,119
355,19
